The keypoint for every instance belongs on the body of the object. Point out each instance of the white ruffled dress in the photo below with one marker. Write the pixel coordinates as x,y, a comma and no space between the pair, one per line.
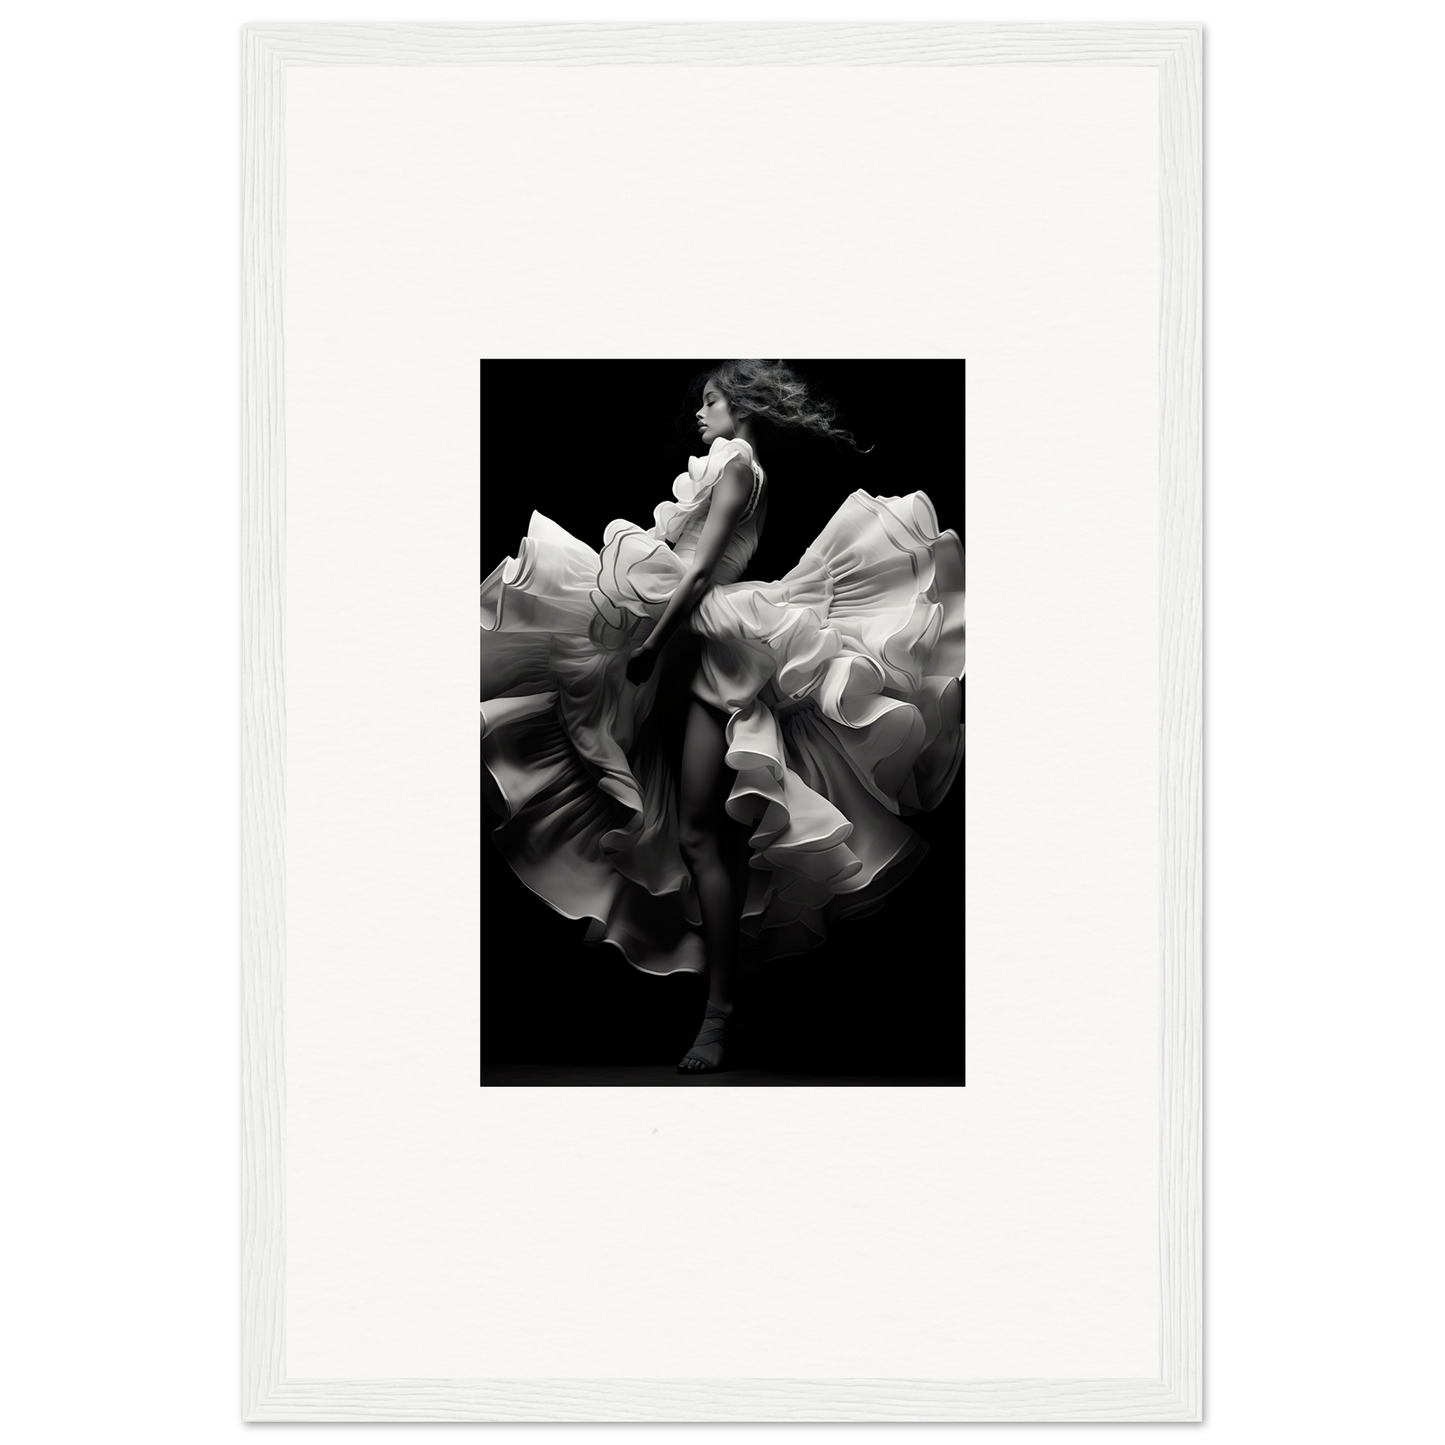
841,683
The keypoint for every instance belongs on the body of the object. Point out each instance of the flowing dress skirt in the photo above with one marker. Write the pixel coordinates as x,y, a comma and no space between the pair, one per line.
841,684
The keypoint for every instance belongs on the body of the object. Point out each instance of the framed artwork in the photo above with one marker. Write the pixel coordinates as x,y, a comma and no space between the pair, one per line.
757,963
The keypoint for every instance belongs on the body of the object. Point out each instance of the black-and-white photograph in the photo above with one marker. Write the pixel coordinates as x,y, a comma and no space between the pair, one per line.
722,722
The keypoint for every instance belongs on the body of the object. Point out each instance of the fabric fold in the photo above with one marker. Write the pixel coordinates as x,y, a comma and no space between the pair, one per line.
840,683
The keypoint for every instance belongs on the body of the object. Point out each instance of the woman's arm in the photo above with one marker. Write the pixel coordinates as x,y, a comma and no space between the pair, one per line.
729,500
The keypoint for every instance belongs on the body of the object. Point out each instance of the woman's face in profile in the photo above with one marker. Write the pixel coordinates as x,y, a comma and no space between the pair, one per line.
714,419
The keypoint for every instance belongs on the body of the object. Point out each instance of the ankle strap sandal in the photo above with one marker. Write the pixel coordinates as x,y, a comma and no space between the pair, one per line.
719,1028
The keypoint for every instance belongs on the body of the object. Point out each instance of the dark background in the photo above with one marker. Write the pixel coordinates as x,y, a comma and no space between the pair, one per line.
585,442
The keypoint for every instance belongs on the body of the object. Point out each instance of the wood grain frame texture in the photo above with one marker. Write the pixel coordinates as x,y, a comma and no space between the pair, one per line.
1176,1393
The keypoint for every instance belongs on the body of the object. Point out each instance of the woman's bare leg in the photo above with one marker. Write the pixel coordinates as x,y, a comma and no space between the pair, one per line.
702,793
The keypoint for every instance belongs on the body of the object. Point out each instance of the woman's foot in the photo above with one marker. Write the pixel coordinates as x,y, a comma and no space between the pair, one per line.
706,1054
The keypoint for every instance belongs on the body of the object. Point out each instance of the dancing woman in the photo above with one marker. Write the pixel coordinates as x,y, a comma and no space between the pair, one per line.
823,706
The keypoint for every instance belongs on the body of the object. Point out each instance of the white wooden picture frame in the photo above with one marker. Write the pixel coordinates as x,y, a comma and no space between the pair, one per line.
283,554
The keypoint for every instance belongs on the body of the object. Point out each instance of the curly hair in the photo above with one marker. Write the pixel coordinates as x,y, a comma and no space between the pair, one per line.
773,391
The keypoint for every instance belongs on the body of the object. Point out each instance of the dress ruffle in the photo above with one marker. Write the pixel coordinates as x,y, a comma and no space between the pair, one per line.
845,706
692,490
841,683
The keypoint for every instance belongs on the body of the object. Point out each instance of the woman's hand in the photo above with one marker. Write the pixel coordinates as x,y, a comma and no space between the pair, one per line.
640,664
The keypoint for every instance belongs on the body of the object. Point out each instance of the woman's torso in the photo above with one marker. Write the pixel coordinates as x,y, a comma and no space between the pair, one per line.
744,540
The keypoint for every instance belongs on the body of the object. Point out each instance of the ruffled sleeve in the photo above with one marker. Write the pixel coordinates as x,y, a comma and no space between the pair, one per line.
693,488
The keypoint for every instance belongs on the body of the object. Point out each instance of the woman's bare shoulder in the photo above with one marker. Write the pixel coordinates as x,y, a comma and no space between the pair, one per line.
734,487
